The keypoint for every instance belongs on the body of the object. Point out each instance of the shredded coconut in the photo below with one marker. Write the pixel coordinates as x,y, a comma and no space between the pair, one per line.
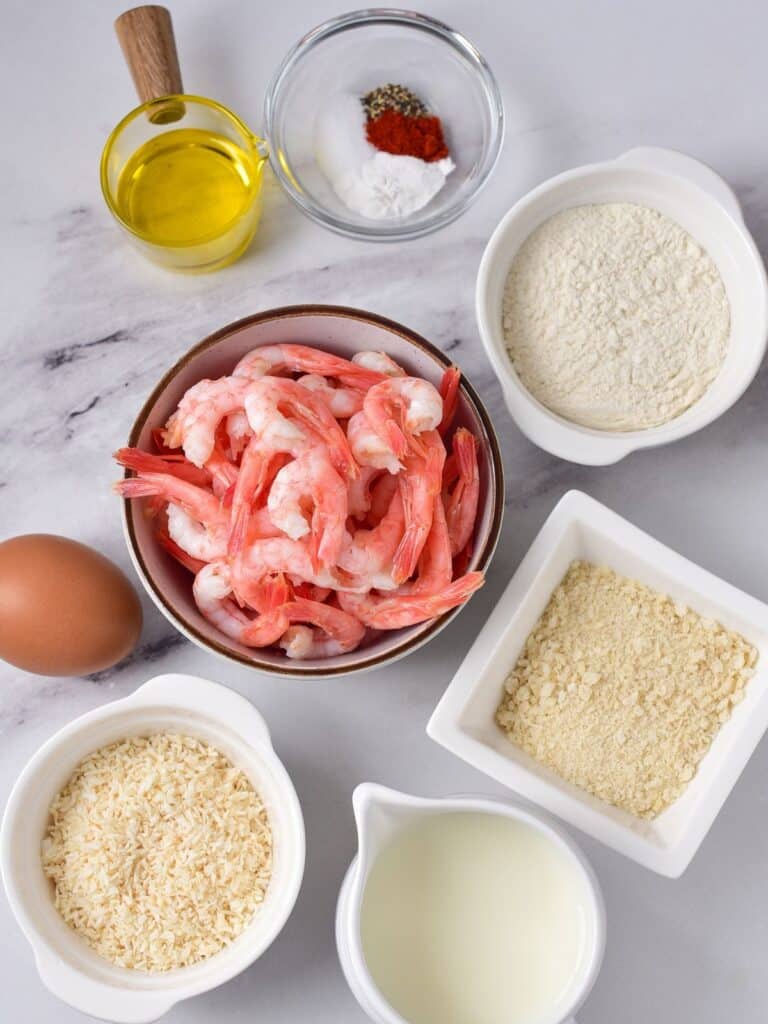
615,317
372,183
621,690
160,851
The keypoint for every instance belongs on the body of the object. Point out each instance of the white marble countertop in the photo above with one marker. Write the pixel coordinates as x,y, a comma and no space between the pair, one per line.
87,327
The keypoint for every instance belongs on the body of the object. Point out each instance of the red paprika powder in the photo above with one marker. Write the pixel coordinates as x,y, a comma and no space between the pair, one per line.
394,132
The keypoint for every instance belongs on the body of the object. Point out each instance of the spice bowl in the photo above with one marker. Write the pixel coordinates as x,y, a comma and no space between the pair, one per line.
463,722
358,52
66,964
701,202
343,332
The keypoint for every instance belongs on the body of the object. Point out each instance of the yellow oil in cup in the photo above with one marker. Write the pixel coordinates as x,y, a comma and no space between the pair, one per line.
182,174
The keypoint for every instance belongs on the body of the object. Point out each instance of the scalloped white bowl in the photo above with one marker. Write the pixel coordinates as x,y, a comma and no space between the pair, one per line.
698,199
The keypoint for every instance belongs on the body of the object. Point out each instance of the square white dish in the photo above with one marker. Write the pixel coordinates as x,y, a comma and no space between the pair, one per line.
463,722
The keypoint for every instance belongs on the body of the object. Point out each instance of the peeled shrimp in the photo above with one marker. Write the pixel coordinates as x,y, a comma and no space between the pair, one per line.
380,362
462,500
419,483
308,494
293,557
205,522
310,509
369,553
276,359
359,496
309,416
343,402
212,591
400,408
368,448
194,424
396,611
337,631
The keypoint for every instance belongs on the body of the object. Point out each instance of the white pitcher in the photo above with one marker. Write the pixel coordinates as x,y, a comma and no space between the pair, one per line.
380,813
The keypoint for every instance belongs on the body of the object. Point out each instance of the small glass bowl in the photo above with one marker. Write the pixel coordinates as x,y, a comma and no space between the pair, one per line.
357,52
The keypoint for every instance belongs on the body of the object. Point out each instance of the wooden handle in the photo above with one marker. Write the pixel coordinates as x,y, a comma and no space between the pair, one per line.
146,39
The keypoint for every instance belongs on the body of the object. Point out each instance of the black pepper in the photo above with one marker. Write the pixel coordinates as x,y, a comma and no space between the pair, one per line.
393,97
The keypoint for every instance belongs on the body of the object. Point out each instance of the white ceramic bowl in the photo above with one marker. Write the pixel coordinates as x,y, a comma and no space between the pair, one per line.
380,813
699,200
67,965
463,722
342,331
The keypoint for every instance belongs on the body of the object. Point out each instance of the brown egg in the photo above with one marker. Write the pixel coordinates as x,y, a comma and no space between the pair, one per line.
65,610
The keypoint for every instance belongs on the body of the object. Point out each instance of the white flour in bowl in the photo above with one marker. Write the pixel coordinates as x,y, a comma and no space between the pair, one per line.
615,317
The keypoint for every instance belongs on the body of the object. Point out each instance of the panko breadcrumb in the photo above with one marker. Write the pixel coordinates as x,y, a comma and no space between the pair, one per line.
160,851
621,690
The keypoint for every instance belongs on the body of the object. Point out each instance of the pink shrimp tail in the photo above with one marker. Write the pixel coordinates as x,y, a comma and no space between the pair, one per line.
407,555
177,465
454,594
466,454
136,487
449,392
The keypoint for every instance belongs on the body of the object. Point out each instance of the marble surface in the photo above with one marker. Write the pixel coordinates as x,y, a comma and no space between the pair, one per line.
87,328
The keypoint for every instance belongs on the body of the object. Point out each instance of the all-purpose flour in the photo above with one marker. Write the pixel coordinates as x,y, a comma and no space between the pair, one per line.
615,317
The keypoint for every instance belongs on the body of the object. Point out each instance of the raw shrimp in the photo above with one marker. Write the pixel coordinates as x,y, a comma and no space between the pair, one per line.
462,500
194,424
276,359
368,448
343,402
419,483
309,495
396,611
380,362
401,408
449,392
212,591
337,631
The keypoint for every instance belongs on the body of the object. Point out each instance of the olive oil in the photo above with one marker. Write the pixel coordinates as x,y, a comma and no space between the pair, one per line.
192,188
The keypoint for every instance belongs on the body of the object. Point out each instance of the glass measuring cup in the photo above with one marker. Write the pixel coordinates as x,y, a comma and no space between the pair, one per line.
179,220
180,173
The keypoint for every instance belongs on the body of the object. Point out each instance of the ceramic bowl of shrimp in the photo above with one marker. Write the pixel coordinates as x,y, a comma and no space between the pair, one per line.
312,491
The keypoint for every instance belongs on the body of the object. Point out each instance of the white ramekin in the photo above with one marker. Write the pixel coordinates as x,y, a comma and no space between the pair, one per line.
380,813
698,199
67,965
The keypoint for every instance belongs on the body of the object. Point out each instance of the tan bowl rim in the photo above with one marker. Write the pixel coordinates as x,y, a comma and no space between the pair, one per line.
293,670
